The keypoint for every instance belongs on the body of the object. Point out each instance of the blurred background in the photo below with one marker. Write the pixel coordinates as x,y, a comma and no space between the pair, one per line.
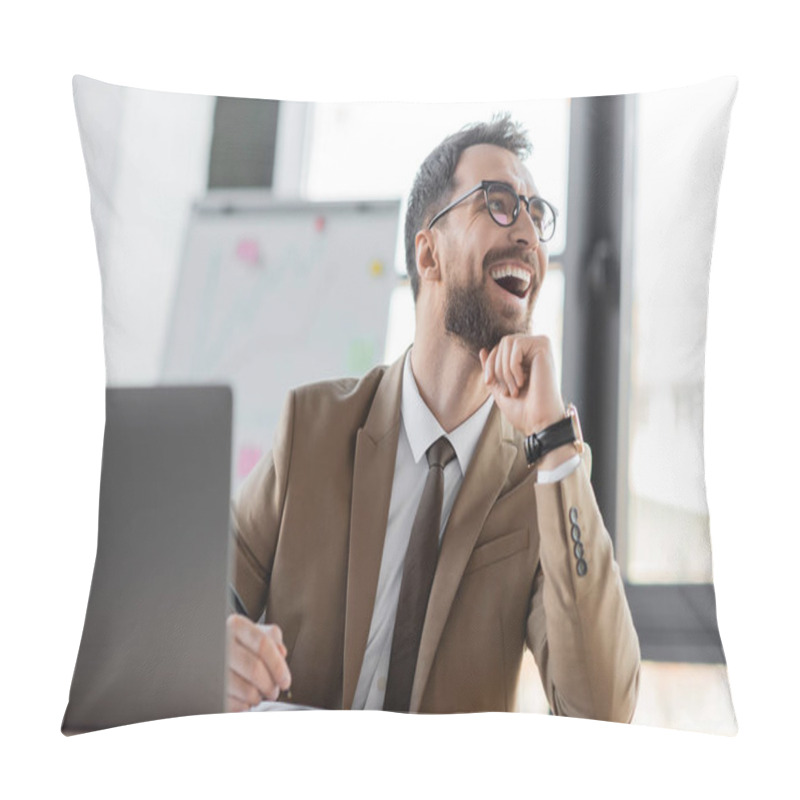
259,243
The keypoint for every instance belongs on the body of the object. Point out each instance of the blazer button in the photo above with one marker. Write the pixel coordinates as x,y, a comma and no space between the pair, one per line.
578,550
576,533
581,567
573,515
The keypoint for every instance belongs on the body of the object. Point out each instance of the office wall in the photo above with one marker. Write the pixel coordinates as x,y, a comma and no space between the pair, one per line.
162,141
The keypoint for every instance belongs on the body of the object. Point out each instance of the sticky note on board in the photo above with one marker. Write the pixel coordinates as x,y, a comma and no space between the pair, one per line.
360,356
247,250
376,268
248,457
319,224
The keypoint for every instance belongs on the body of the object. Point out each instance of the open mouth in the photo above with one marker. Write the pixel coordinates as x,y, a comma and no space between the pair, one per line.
515,280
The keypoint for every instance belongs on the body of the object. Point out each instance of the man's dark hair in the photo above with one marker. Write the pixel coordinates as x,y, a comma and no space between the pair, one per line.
434,182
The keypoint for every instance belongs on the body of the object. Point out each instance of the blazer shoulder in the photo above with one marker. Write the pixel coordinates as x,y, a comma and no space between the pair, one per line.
337,401
342,389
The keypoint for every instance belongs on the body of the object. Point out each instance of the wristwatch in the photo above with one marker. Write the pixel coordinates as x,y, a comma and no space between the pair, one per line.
565,431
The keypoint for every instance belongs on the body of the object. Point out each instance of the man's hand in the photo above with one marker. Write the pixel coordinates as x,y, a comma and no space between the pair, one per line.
521,375
257,668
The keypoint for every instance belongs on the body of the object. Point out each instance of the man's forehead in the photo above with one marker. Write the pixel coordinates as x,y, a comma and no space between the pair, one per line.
488,162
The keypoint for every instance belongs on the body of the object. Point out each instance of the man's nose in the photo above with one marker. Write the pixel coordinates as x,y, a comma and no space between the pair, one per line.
523,231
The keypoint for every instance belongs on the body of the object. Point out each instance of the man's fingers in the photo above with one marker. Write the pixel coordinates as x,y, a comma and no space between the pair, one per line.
257,654
234,704
243,691
275,660
488,367
520,374
517,360
508,365
506,347
252,669
492,372
252,636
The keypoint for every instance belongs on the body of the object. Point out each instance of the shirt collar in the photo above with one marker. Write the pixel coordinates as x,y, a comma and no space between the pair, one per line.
423,429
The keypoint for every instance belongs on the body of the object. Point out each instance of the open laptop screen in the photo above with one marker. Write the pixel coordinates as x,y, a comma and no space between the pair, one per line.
153,643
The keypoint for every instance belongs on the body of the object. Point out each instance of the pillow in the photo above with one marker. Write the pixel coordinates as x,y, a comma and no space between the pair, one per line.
259,245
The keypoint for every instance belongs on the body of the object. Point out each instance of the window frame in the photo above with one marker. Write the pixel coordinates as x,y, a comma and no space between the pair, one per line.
675,622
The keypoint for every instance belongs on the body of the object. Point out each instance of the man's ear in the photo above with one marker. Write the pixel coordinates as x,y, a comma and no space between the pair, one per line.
427,256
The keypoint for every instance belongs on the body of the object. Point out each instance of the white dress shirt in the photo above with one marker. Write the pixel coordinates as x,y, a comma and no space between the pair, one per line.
419,431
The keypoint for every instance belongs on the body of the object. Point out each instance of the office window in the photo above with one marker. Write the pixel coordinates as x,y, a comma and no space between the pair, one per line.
667,523
663,538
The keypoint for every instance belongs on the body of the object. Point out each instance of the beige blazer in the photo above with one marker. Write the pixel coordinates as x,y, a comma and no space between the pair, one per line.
309,527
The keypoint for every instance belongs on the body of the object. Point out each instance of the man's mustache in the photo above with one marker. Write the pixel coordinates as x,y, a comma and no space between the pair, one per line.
525,255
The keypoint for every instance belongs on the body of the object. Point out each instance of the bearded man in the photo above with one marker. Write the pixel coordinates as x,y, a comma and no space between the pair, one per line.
412,531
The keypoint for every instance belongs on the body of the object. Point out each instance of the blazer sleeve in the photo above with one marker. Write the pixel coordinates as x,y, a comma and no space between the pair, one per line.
579,626
256,513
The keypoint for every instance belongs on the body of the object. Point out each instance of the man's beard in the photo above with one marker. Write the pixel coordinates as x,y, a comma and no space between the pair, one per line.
470,316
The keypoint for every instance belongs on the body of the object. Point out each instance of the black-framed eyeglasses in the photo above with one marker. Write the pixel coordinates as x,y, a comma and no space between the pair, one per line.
503,204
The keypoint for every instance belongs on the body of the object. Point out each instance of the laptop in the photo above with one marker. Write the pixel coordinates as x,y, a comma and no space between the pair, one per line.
153,643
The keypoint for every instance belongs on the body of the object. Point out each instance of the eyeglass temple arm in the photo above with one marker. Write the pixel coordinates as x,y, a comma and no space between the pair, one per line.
481,185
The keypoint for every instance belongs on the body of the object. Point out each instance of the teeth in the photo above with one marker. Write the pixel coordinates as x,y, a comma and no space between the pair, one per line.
504,270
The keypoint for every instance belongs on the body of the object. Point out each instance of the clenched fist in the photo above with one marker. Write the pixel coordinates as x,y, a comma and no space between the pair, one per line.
521,374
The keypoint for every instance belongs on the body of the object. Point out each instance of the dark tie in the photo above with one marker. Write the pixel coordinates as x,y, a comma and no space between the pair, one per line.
415,587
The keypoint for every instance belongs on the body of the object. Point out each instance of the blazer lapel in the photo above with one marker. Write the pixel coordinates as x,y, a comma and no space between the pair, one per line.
487,473
373,473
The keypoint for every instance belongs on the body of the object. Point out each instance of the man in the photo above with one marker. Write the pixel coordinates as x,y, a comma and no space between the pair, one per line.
329,526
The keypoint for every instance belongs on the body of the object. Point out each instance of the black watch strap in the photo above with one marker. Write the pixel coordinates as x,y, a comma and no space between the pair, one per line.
553,436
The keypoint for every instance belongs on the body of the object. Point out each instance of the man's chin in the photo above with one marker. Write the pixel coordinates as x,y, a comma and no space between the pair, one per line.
472,346
476,340
478,324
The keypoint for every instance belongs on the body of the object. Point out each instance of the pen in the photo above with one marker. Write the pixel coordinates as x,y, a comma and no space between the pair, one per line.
238,605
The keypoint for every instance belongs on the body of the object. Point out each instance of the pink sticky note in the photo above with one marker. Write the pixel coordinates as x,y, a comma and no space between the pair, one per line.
247,251
247,459
319,224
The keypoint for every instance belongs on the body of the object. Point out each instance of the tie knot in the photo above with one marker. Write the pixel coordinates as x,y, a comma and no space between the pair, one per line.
440,453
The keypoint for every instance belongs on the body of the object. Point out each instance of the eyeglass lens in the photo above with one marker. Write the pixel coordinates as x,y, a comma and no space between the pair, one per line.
504,204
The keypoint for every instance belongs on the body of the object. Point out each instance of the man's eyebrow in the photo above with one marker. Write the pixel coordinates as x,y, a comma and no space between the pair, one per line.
534,195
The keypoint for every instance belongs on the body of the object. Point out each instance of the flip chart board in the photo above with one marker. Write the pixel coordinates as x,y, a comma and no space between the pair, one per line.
275,294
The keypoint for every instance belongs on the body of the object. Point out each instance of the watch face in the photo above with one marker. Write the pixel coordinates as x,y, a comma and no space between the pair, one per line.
572,413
